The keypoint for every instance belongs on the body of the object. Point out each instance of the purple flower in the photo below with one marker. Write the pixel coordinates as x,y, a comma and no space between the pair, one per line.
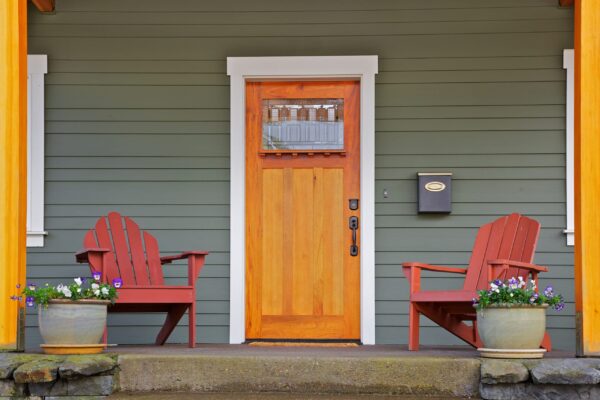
18,286
548,292
96,275
117,282
15,298
475,301
31,286
30,301
533,298
560,306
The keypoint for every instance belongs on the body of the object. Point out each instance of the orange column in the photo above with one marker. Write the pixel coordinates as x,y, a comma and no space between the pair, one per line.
13,161
587,176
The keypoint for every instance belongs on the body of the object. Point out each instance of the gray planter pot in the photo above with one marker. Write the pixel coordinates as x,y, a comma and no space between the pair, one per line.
512,327
79,322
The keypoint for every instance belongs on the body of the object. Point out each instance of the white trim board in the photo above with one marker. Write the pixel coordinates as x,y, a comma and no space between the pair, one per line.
569,65
37,67
240,69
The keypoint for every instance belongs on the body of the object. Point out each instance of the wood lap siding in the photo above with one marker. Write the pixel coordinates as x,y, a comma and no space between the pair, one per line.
137,121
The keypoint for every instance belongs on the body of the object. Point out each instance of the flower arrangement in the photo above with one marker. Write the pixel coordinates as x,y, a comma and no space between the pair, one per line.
80,289
517,291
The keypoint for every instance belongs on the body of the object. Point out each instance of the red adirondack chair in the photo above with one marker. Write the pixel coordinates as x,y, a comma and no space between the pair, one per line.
119,253
503,249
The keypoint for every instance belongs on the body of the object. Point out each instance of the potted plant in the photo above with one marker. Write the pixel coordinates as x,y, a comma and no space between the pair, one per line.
511,318
72,318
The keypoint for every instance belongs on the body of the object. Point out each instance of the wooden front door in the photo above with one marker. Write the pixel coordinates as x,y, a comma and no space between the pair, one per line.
302,171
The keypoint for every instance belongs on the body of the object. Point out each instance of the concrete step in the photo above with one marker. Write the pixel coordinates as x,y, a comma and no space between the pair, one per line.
312,371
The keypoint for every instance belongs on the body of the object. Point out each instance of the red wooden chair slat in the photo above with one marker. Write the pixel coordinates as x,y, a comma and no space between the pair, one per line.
110,270
491,252
510,235
533,233
144,289
121,249
89,240
137,252
153,255
512,238
477,257
518,250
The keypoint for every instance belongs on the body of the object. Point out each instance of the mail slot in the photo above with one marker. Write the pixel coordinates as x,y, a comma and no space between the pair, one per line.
435,192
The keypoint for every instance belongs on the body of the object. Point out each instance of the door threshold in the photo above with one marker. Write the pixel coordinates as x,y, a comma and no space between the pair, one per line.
302,343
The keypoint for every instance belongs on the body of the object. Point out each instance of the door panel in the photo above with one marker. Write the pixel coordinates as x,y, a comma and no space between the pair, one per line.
301,281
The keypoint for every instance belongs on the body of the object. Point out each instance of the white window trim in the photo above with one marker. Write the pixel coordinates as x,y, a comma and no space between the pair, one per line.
569,65
240,69
37,67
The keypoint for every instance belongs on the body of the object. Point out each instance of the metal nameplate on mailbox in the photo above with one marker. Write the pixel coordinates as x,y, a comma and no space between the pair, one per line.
435,192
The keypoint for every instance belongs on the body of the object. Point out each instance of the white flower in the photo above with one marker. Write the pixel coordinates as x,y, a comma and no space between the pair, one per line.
497,290
67,292
78,290
60,287
78,281
96,292
105,291
494,286
95,286
512,295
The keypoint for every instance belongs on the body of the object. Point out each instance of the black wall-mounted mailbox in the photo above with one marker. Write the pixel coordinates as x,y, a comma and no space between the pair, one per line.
435,192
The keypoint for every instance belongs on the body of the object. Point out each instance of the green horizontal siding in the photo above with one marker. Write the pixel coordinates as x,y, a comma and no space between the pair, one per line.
137,120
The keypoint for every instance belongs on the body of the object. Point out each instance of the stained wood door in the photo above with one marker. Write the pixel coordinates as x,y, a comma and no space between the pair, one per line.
301,280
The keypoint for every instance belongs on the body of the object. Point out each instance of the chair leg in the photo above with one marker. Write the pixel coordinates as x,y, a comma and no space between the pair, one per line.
173,317
192,325
105,337
413,327
546,342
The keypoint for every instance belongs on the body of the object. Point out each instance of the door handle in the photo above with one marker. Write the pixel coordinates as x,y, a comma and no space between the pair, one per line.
353,223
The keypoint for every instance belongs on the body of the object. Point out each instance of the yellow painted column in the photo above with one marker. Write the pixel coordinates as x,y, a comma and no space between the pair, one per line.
587,176
13,161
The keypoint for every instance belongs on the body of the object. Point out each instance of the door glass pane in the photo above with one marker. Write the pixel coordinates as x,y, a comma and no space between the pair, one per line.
303,124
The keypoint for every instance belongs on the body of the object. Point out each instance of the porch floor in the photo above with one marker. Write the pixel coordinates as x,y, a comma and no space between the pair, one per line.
243,350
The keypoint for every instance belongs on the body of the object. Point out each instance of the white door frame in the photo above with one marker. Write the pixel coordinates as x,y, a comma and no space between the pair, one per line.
240,69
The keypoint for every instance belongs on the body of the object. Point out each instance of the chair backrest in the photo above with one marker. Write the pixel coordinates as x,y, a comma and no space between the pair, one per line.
127,259
513,237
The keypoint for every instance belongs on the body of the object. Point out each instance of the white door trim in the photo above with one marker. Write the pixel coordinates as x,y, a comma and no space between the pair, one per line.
240,69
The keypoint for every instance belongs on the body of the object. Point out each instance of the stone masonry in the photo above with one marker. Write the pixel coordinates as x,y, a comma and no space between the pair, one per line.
550,379
55,377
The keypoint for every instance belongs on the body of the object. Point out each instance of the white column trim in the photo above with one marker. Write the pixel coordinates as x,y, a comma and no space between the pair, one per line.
37,67
569,65
240,69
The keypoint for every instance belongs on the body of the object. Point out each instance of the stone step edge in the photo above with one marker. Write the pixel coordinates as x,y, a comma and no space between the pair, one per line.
423,376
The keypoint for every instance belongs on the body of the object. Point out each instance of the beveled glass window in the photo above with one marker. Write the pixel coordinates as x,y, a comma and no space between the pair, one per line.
303,124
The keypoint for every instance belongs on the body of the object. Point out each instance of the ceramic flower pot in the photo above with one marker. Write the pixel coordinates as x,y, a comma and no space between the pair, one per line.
72,327
514,327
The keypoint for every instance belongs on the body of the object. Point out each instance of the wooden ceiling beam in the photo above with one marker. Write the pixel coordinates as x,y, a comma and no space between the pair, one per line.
566,3
44,5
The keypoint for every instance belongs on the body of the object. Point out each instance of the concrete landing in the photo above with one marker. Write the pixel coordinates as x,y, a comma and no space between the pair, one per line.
385,370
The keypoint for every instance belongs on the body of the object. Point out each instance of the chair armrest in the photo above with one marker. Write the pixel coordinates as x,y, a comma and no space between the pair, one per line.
83,255
437,268
518,264
195,263
412,271
182,256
